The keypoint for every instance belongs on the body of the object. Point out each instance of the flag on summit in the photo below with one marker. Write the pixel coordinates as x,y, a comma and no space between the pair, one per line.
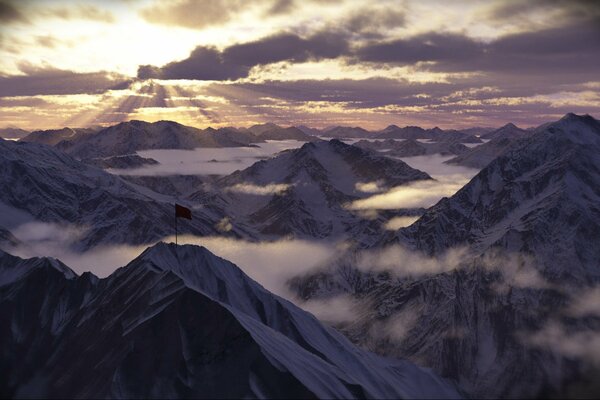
182,212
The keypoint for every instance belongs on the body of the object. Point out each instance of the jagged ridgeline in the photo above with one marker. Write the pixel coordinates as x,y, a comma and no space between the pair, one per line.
178,322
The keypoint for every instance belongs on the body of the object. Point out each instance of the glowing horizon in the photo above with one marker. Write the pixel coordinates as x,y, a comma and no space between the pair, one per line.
318,63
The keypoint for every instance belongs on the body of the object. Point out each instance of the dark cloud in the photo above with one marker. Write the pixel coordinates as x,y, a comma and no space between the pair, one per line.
281,7
23,102
377,21
569,54
47,41
234,62
567,9
192,13
50,81
347,101
204,63
425,47
80,11
10,13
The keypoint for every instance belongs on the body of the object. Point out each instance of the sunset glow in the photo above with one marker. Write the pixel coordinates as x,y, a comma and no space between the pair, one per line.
318,63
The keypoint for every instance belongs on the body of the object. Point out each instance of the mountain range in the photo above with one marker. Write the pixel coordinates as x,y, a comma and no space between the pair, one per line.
471,286
481,288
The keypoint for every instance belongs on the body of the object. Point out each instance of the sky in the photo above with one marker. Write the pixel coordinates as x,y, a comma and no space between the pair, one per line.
314,62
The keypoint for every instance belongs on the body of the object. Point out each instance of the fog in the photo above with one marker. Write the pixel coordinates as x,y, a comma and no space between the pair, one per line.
271,264
400,222
448,179
262,190
207,161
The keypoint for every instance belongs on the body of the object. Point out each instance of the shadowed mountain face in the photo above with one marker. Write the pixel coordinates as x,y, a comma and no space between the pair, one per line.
541,197
178,322
482,155
128,137
500,318
54,136
305,192
508,131
13,133
51,186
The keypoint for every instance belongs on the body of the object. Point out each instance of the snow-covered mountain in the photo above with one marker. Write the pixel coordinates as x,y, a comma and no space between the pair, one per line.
129,137
540,197
305,191
343,132
53,187
54,136
178,322
13,133
270,131
411,147
470,286
508,131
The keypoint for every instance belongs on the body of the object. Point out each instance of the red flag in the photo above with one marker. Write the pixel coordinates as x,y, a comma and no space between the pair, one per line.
182,212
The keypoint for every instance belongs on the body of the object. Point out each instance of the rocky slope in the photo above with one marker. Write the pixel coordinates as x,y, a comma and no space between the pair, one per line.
305,191
484,286
178,322
129,137
50,186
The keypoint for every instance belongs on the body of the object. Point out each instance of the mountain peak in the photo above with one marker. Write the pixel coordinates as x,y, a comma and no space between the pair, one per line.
510,125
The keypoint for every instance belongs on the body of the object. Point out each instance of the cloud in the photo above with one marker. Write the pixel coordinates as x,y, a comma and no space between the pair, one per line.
562,9
271,264
10,14
403,262
79,11
517,270
236,61
51,81
377,21
425,47
578,343
281,7
399,222
369,187
397,326
414,195
585,303
259,190
206,161
193,14
224,225
334,310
